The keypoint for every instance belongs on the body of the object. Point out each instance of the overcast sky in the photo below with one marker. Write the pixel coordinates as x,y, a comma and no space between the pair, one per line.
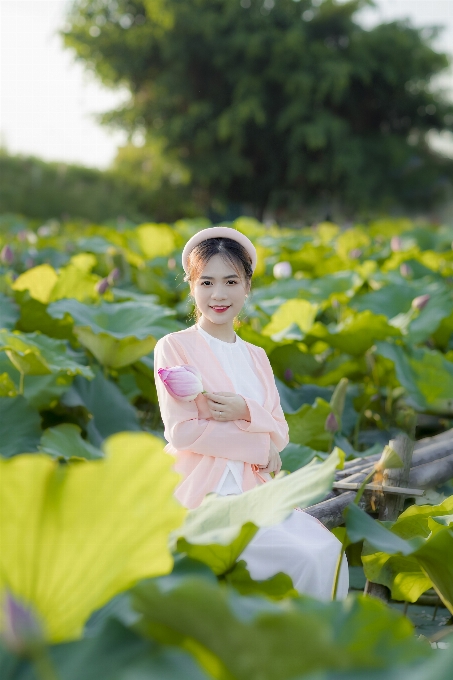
47,100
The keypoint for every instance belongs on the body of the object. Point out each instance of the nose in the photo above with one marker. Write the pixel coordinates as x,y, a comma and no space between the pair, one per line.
218,294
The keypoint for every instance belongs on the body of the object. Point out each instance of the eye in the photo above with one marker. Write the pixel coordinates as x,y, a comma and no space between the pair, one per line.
232,281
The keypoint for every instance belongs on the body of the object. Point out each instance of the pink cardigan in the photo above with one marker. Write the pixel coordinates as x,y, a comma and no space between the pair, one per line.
202,445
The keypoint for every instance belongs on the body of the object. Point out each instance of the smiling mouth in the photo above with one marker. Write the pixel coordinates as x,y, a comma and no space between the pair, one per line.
220,306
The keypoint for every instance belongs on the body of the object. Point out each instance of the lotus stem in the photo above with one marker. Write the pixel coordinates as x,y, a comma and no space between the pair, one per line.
21,383
44,667
356,501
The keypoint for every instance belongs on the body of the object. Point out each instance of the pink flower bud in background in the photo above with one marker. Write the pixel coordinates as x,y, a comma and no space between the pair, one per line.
29,263
405,270
22,632
355,253
331,424
7,255
396,244
101,286
288,374
282,270
420,302
171,264
113,276
182,382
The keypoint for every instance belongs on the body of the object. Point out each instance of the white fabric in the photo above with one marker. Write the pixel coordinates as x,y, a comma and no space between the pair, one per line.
300,546
237,363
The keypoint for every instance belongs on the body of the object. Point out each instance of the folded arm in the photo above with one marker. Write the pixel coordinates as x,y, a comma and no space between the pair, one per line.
262,420
187,432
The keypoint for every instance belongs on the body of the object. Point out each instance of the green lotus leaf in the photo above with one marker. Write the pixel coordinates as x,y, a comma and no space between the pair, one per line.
289,639
106,408
9,312
117,334
425,374
432,554
74,536
356,333
349,239
65,441
75,282
20,426
34,317
307,425
295,456
299,312
220,528
391,299
155,240
37,354
7,387
39,282
115,652
403,574
276,587
41,391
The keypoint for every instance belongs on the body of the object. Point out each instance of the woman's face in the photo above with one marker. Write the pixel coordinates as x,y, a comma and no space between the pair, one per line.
219,286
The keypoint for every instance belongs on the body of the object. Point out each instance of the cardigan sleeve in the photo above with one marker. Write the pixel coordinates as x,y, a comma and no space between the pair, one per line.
262,420
185,431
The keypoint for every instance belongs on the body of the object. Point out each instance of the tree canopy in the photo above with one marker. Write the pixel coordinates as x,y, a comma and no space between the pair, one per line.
275,104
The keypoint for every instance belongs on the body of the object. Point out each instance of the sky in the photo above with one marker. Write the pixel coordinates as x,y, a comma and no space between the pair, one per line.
47,99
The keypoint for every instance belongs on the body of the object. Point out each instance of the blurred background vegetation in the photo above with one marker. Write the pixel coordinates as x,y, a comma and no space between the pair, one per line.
284,110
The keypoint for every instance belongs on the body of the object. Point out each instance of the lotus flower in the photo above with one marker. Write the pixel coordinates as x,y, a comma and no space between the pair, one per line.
331,424
420,302
396,244
182,382
282,270
101,286
113,276
21,629
7,255
405,270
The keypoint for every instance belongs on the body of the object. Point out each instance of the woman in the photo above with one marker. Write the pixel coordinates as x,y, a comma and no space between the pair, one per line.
228,439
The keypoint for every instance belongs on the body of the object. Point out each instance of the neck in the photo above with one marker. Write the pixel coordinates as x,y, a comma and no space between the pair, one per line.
221,331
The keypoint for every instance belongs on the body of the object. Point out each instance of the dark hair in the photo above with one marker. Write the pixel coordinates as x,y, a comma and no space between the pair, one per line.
230,251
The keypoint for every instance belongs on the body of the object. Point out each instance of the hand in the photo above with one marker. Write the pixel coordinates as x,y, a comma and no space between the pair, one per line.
226,406
274,463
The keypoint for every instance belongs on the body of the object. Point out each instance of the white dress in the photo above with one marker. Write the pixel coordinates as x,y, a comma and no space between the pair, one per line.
300,546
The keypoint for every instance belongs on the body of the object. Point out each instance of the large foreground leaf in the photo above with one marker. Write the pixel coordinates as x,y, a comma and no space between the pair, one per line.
73,536
249,638
220,528
117,333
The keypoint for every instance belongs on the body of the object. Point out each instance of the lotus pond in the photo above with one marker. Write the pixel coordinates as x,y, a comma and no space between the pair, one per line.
102,573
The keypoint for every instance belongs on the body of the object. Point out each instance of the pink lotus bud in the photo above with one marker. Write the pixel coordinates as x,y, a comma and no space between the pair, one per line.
282,270
420,301
331,424
7,255
22,632
396,244
288,374
22,235
101,286
114,275
171,263
405,270
355,253
182,382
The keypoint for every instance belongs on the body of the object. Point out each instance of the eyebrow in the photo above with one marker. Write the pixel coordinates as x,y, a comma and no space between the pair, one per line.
230,276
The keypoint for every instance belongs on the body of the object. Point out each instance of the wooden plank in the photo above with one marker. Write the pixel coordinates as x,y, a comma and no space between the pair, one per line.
378,487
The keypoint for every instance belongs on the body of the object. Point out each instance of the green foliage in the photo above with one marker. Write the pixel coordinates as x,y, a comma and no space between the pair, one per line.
274,107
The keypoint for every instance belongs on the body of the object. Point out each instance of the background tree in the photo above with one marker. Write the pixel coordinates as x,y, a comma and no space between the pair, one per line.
275,104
